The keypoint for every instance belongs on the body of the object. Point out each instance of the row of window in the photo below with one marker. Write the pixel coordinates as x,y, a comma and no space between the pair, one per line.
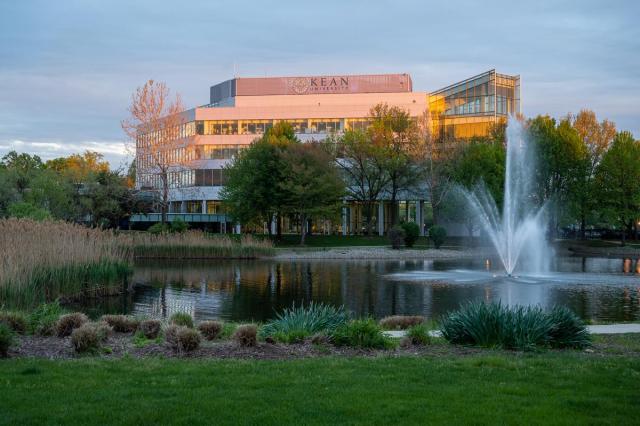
256,127
184,178
195,206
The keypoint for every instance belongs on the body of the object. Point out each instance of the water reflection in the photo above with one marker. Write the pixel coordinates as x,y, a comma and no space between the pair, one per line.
254,290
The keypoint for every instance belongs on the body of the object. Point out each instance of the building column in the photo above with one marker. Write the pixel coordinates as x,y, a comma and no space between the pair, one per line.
344,221
419,216
183,206
204,206
238,229
381,218
223,227
274,225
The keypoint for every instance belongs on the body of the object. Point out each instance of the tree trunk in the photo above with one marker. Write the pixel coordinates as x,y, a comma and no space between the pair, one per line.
583,223
303,228
368,213
278,227
165,197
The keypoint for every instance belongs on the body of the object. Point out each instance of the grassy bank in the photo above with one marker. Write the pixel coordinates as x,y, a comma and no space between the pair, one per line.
198,245
45,260
494,387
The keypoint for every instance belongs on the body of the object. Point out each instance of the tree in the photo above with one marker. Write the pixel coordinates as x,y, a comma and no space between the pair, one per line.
596,138
311,186
156,124
617,181
363,167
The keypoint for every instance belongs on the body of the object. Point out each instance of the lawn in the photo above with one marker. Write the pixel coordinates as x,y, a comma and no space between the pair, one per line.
494,387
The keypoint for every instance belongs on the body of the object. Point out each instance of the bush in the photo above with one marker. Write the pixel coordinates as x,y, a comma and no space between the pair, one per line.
159,228
418,335
121,323
246,335
181,318
16,321
27,210
363,333
179,226
6,339
150,328
104,330
210,329
396,236
411,233
86,338
297,323
437,234
520,327
400,322
69,322
181,338
43,319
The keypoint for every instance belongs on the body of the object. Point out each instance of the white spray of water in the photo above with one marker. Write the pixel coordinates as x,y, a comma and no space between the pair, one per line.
519,234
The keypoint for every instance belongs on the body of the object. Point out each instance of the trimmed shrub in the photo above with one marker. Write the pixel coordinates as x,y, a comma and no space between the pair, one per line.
181,318
179,226
400,322
418,335
104,330
69,322
396,237
520,327
181,338
16,321
121,323
411,233
568,331
86,338
43,319
159,228
437,234
246,335
210,330
6,339
150,328
362,333
297,323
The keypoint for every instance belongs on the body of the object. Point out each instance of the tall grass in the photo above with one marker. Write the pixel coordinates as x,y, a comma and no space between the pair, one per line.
298,322
198,245
42,261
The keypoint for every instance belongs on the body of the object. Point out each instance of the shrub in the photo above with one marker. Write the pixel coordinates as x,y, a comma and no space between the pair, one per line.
520,327
181,318
179,226
69,322
181,338
121,323
246,335
297,323
411,233
16,321
363,333
400,322
568,330
396,236
6,339
437,234
43,319
104,330
418,335
210,329
150,328
158,228
86,338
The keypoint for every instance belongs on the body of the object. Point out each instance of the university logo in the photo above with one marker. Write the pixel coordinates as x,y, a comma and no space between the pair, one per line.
299,85
304,85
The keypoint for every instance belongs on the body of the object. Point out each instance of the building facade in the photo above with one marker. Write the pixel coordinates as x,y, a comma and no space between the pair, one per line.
242,109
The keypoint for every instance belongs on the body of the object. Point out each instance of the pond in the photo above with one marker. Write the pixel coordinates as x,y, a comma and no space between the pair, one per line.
595,288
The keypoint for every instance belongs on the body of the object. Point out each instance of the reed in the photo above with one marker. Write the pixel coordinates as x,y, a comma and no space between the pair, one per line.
43,261
198,245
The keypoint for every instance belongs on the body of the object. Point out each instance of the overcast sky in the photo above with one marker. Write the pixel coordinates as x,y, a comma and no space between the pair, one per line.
67,68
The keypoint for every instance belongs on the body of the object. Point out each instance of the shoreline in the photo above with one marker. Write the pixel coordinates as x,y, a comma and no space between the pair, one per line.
376,253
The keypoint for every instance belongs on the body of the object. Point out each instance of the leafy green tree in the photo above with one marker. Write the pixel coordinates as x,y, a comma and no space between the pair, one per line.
22,209
20,169
617,181
107,198
311,187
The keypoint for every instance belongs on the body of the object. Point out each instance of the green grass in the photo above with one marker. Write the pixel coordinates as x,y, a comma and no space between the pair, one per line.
492,388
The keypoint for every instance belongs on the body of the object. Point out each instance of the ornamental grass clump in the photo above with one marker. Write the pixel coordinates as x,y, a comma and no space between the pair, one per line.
6,339
69,322
43,319
246,335
16,321
361,333
418,335
88,337
150,328
181,338
121,323
211,330
297,323
181,318
400,322
494,325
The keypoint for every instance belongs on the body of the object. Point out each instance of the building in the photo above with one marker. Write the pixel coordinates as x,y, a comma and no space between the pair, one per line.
241,109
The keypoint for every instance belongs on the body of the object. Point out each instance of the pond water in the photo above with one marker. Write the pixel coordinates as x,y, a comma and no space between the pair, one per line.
595,288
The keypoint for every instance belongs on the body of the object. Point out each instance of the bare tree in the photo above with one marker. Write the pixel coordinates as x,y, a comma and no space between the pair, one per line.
158,129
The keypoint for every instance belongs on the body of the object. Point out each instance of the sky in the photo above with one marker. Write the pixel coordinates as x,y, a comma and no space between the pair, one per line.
68,68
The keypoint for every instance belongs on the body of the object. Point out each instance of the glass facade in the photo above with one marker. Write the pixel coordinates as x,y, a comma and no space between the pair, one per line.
469,108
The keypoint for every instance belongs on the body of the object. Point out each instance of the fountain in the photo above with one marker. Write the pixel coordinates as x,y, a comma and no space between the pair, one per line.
521,227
